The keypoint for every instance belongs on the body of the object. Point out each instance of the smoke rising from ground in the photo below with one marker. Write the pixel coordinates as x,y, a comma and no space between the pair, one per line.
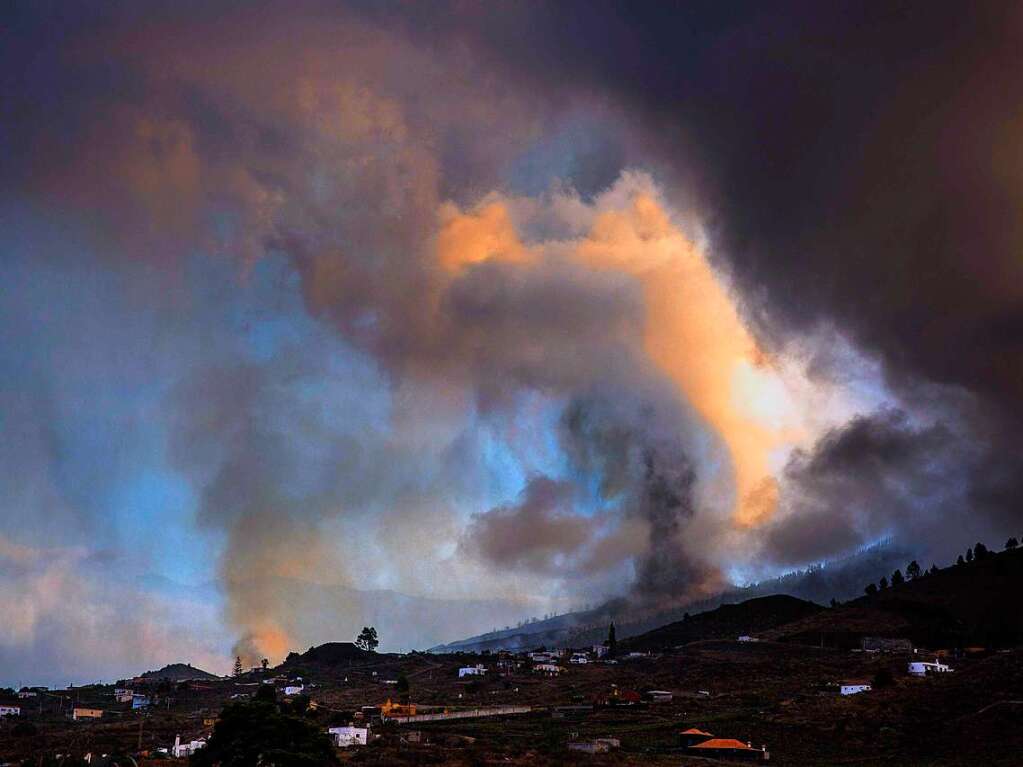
626,330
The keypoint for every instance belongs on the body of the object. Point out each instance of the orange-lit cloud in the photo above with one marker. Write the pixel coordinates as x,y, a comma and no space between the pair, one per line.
693,330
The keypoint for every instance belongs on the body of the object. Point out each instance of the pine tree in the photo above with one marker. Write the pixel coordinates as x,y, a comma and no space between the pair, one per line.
883,583
933,570
238,665
913,570
897,579
969,555
870,590
979,551
960,560
1011,544
612,640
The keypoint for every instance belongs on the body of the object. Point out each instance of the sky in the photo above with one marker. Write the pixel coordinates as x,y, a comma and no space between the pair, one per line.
439,316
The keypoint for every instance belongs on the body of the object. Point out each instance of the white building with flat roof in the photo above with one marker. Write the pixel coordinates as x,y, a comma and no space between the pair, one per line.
922,668
345,737
854,686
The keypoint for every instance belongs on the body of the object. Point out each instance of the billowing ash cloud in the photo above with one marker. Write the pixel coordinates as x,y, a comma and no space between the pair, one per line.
737,302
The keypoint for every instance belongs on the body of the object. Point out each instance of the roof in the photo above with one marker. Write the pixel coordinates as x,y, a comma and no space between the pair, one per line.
724,743
694,731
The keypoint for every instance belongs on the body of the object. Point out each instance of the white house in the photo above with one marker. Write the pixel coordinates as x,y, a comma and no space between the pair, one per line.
186,749
10,710
855,686
542,657
294,689
660,696
579,658
122,695
748,638
477,670
922,668
23,694
599,650
345,737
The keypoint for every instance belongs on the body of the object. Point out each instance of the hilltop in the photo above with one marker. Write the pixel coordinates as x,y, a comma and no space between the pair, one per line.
329,654
970,604
179,672
726,622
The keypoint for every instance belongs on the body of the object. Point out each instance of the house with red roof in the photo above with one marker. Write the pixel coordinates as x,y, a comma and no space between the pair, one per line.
729,748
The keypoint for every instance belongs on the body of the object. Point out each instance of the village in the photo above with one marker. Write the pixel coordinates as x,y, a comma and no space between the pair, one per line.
739,700
900,675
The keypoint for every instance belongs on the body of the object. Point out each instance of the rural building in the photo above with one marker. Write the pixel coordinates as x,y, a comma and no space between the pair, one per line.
729,748
6,710
579,658
180,749
598,746
921,668
885,644
26,693
345,737
692,736
599,650
122,695
659,696
477,670
295,689
139,700
547,669
748,638
854,686
397,709
86,713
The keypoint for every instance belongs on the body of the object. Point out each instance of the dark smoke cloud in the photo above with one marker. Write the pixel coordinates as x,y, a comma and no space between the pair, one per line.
540,533
641,463
852,162
854,166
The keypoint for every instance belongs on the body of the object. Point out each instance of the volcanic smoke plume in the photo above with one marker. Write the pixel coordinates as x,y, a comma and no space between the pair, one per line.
535,341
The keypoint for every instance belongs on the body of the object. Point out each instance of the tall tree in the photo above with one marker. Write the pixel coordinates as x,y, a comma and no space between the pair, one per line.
883,583
238,665
367,639
897,579
969,555
265,663
257,733
612,640
913,570
870,590
980,551
1011,544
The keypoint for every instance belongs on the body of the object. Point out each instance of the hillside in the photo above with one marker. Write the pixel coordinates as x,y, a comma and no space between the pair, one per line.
961,605
329,654
841,579
725,622
179,672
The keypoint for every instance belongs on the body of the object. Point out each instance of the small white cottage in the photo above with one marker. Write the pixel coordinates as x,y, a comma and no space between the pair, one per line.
855,686
345,737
